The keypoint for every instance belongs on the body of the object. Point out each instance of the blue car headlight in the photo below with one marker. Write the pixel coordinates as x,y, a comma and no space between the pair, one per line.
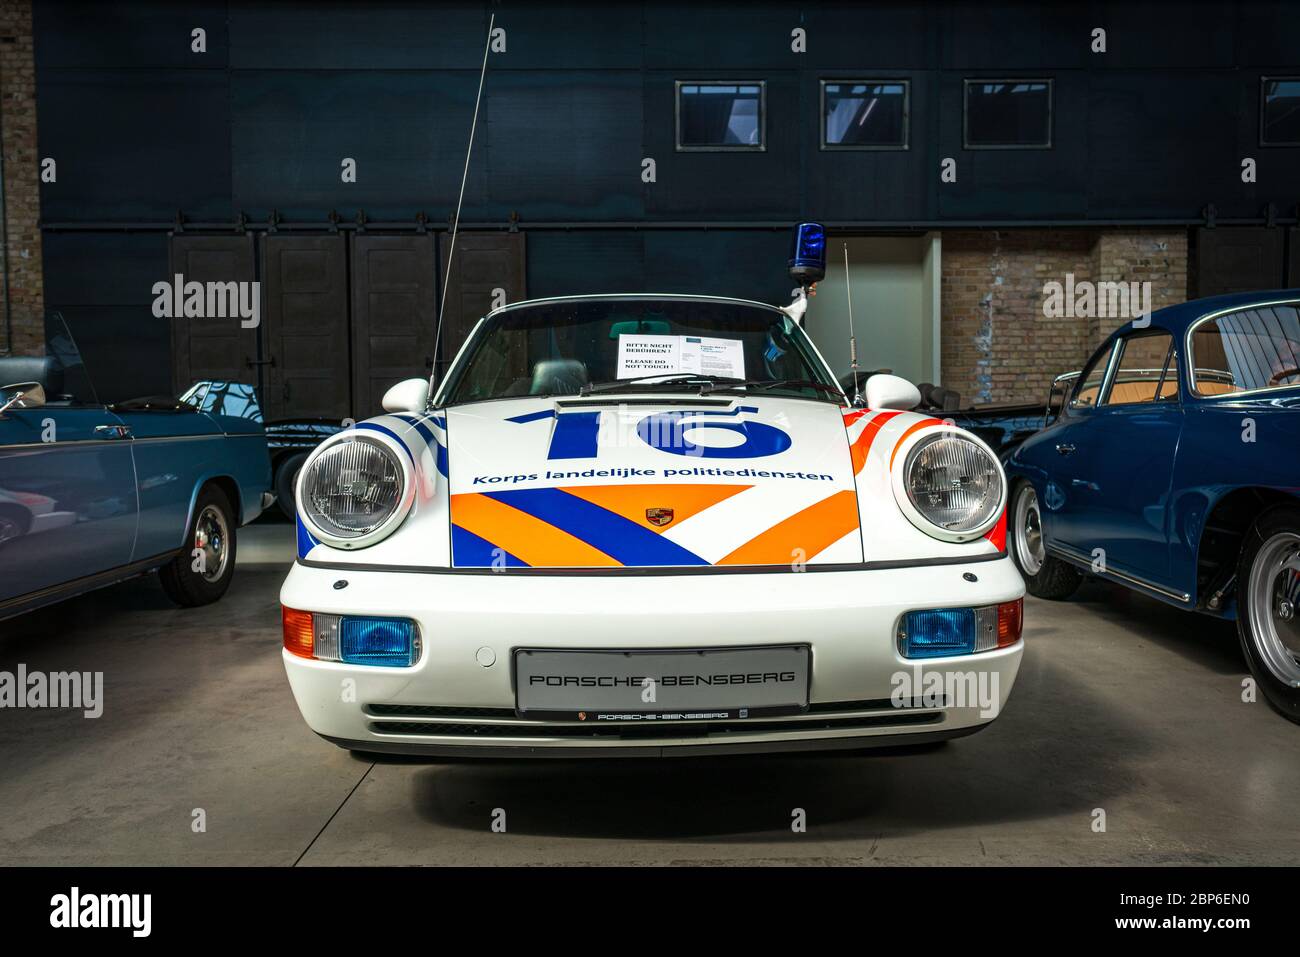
938,632
389,642
352,639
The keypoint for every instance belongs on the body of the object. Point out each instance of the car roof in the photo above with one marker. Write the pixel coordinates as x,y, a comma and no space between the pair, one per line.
631,296
1179,317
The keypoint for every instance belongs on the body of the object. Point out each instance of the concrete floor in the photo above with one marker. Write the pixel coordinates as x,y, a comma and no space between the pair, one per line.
1122,704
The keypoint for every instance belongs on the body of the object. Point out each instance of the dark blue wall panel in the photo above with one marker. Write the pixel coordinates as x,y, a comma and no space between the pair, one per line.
723,262
749,264
102,285
560,145
567,36
379,35
585,262
407,131
141,127
1173,163
134,35
135,144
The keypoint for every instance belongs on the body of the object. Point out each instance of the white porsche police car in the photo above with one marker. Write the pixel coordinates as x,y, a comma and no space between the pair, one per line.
648,525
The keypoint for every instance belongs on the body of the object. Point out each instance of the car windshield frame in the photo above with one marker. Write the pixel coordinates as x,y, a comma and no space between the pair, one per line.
445,394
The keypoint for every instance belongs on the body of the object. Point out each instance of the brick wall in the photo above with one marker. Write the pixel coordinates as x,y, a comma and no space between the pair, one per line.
997,345
22,201
1142,255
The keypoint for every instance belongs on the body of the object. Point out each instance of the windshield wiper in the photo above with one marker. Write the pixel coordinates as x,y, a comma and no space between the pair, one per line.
759,384
651,382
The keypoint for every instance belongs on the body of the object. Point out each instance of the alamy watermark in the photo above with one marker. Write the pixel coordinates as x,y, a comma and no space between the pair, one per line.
1085,299
177,299
57,689
946,689
77,909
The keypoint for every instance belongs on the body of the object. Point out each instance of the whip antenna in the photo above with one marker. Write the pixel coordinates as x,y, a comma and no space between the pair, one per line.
455,223
853,340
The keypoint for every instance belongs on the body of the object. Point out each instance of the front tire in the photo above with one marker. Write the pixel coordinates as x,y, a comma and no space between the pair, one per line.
1268,607
191,580
286,481
1044,575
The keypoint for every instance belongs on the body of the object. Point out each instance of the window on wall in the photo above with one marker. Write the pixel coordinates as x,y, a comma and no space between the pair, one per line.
1008,115
864,114
1279,119
720,115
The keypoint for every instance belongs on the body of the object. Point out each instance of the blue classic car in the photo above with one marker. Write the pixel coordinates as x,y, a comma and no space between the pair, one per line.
1174,469
91,494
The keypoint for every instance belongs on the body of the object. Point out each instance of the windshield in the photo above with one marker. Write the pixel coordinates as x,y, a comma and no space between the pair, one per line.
662,345
67,382
224,398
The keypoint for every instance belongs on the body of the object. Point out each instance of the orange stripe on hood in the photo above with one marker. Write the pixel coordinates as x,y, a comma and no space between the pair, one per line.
631,501
924,423
859,449
802,535
528,538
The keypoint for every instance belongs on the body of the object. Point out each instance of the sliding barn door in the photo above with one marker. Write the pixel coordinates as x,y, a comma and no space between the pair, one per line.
487,267
305,284
394,310
217,349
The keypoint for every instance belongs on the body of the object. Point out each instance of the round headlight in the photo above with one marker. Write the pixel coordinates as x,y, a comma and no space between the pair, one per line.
954,483
351,489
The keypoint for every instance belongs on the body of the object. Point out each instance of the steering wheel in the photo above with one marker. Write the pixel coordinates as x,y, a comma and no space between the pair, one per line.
1277,377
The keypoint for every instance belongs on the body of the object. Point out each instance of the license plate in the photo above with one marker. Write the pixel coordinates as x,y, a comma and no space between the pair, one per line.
679,685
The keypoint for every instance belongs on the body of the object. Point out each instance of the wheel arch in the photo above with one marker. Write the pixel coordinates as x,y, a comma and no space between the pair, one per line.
228,485
1222,536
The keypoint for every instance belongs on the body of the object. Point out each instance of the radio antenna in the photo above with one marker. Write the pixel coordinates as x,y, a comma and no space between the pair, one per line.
455,223
853,340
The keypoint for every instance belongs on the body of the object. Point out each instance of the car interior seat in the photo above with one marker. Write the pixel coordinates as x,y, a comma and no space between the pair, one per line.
558,377
44,370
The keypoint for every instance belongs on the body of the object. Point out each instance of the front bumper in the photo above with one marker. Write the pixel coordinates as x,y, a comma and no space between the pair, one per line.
459,697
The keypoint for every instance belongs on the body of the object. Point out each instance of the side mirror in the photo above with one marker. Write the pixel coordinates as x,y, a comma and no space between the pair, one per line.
410,395
21,395
891,392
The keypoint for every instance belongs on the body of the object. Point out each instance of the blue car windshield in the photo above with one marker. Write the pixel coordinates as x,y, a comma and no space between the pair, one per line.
581,346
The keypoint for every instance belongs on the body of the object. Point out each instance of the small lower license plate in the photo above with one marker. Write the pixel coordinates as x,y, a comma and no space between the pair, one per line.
678,685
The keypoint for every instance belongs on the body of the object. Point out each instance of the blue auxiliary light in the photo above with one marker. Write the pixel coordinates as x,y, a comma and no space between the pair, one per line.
386,642
808,253
938,632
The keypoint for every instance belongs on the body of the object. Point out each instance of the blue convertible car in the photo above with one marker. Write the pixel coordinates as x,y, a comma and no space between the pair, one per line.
91,494
1174,468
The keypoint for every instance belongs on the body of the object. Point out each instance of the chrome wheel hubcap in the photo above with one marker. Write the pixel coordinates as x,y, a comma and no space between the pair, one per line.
211,536
1029,532
1273,593
8,530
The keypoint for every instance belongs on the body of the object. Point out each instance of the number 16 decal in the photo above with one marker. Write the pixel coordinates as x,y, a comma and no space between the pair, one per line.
576,434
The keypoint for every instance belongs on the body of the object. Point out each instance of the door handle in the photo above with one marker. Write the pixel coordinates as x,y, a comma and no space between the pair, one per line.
1065,448
113,431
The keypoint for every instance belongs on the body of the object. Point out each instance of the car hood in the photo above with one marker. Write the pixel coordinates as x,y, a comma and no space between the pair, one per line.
650,482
